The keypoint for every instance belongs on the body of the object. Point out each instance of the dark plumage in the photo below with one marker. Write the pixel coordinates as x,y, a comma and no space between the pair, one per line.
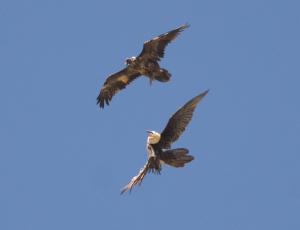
159,145
144,64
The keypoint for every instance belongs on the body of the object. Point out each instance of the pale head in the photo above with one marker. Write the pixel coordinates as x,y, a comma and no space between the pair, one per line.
153,137
130,60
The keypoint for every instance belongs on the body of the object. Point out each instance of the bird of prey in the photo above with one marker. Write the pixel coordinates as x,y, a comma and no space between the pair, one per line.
146,63
159,144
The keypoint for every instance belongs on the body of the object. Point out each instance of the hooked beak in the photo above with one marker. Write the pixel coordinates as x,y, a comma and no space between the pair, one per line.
149,131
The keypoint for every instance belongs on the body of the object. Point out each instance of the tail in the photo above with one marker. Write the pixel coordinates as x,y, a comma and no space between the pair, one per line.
176,157
163,75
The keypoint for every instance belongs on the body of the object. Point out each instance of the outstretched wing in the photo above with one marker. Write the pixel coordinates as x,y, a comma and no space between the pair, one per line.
178,122
138,178
154,48
114,83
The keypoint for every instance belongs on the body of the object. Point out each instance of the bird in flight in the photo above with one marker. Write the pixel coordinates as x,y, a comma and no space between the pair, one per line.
159,144
146,63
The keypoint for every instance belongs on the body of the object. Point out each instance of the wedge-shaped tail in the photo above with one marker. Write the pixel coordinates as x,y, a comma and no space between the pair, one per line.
163,75
176,157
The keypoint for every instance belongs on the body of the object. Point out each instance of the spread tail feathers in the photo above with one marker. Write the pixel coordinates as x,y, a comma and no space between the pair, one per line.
177,157
163,75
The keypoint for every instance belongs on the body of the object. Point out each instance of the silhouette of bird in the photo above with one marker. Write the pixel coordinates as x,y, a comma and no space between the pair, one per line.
144,64
159,144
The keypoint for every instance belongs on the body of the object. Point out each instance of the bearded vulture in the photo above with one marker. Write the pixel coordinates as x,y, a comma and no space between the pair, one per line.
159,144
144,64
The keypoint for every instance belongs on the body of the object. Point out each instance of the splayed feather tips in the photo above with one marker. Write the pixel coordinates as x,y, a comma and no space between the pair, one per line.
137,179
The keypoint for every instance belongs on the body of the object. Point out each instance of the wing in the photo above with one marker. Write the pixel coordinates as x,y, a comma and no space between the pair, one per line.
154,48
138,178
178,122
114,83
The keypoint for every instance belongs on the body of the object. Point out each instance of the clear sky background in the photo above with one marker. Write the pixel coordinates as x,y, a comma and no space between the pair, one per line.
63,160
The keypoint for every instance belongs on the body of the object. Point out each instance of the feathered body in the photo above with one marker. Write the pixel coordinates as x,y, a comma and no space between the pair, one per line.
148,67
159,144
157,155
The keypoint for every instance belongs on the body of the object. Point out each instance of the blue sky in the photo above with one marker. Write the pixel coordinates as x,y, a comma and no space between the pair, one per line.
63,160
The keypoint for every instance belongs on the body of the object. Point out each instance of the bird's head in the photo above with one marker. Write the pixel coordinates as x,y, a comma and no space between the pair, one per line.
153,137
130,60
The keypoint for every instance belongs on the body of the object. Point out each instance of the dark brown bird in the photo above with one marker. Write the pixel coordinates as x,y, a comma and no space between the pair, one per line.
144,64
159,144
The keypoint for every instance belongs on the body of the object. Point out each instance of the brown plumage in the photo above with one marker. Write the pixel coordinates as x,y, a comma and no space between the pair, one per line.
159,145
144,64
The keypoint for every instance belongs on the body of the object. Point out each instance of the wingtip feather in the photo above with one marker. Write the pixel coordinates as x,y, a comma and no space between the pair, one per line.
185,25
203,94
100,102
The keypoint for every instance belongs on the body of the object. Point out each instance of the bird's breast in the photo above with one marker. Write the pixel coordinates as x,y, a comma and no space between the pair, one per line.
150,151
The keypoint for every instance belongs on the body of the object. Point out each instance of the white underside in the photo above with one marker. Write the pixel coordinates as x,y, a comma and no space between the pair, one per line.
150,151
